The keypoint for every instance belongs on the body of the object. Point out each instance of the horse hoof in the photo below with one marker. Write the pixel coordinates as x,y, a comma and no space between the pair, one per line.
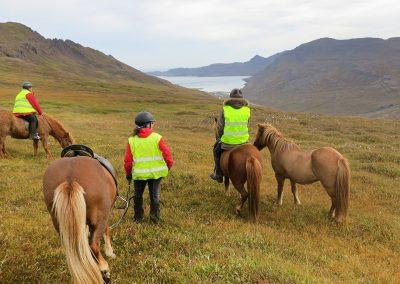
106,276
111,254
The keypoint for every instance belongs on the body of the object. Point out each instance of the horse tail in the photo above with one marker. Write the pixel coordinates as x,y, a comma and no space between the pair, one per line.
342,189
69,207
254,174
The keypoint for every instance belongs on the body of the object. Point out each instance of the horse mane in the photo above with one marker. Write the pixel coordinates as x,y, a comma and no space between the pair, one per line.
271,136
56,126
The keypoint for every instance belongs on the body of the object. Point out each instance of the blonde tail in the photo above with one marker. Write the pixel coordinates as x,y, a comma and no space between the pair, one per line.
69,208
342,189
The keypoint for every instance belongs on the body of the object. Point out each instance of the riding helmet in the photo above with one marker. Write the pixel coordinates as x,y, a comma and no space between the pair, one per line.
26,85
236,93
143,118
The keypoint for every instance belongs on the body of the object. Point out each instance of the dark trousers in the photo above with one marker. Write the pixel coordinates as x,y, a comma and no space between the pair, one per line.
33,123
217,157
154,192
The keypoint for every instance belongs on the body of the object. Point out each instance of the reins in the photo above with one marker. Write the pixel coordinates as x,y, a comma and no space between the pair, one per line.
127,201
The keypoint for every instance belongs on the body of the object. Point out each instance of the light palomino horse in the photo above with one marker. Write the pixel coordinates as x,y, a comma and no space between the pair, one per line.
305,167
79,194
10,125
240,165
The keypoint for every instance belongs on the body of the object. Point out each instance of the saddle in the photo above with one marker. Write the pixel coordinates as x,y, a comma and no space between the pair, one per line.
75,150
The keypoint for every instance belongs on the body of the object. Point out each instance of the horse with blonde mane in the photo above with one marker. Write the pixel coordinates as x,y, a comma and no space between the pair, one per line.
324,164
79,194
241,165
10,125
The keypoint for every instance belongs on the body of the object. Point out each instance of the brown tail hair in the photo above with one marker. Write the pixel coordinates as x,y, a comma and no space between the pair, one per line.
69,207
254,174
342,189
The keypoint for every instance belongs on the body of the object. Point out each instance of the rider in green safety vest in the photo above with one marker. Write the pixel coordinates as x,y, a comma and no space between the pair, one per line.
233,128
147,160
26,107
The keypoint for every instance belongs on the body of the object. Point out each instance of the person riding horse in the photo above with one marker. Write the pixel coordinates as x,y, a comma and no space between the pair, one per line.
26,107
233,129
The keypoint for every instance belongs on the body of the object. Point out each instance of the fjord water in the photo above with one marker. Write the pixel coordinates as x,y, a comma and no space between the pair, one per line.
208,84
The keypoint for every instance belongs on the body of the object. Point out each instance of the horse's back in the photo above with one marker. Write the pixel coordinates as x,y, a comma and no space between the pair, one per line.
97,183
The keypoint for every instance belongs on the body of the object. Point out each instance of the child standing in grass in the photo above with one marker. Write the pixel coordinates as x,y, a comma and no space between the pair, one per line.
147,161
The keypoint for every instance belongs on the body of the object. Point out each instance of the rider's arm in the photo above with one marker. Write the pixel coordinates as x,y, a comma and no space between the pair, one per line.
128,160
34,103
166,153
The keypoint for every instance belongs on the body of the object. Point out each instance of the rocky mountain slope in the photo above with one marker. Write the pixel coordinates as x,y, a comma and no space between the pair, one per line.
352,77
24,53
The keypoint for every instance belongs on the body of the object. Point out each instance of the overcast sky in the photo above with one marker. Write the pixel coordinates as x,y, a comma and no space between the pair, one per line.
159,34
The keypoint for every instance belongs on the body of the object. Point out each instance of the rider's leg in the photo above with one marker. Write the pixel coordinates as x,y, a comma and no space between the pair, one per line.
33,125
217,175
139,186
154,190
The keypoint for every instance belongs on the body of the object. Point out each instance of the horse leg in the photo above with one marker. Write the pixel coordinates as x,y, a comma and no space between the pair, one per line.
243,197
3,152
107,244
95,236
281,181
295,193
46,145
333,208
226,183
35,147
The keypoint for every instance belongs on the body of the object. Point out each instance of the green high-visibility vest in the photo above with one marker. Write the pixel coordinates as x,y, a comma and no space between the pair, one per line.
22,105
148,159
236,129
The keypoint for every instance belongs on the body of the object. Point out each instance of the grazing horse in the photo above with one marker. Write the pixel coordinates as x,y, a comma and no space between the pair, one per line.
79,194
240,165
305,167
10,125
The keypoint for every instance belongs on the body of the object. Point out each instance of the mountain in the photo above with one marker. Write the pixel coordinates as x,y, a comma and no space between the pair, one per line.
25,54
349,77
248,68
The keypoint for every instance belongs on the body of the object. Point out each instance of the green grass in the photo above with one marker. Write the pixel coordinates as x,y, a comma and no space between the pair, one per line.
200,238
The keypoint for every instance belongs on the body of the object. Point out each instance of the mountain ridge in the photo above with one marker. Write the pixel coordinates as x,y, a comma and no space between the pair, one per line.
339,77
247,68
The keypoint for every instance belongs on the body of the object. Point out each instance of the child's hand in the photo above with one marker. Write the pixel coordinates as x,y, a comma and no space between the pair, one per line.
129,177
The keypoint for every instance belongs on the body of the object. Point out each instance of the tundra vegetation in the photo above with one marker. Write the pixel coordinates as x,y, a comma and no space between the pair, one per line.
201,239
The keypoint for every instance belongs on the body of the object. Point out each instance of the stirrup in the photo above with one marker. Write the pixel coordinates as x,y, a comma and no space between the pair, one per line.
214,176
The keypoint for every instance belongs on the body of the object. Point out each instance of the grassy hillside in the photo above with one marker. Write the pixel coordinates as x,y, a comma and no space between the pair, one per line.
201,239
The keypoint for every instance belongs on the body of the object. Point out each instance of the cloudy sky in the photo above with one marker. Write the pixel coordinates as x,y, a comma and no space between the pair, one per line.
159,34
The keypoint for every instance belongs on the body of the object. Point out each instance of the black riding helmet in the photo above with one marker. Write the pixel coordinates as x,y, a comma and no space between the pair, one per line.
26,85
143,118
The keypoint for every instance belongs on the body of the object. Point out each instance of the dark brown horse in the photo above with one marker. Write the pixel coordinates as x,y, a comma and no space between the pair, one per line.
305,167
240,165
10,125
79,194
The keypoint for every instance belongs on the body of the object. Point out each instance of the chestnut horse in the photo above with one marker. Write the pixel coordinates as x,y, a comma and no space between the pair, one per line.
240,165
305,167
10,125
79,194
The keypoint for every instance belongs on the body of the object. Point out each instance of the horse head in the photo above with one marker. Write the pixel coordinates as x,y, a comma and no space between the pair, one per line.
260,141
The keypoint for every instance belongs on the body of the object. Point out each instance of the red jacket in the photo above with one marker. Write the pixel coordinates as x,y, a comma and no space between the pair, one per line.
34,103
129,159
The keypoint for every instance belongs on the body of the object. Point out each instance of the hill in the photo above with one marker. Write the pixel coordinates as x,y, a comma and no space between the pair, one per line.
248,68
353,77
25,54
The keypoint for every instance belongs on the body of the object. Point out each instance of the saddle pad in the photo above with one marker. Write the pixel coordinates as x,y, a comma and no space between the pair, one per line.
75,150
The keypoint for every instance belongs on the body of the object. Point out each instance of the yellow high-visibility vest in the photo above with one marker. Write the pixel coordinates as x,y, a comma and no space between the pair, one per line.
148,159
22,105
236,129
